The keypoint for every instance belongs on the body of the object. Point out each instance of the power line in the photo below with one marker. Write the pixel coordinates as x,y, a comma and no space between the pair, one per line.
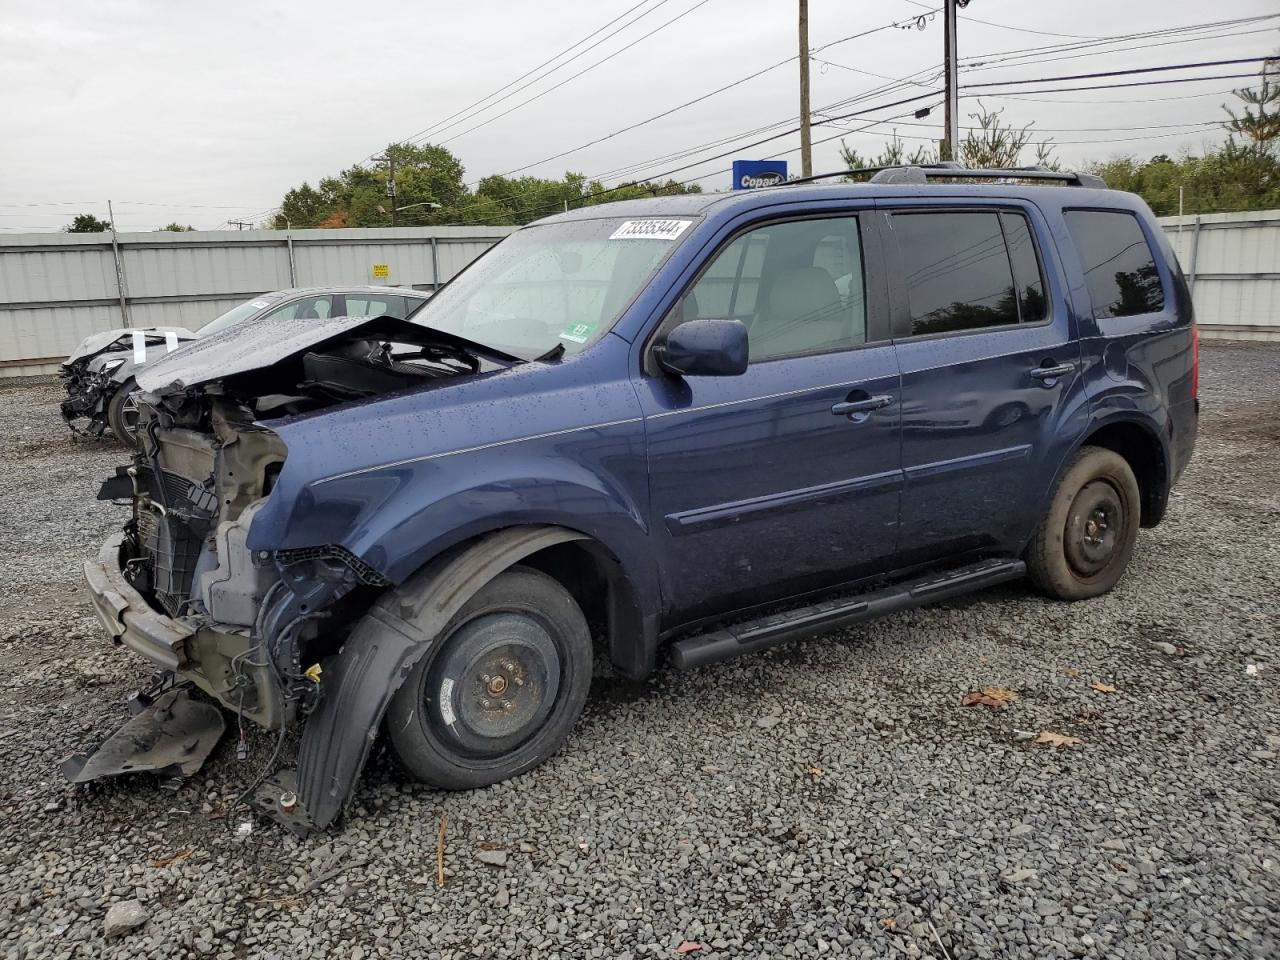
1005,26
1039,52
434,126
1121,73
636,167
1113,86
700,99
572,77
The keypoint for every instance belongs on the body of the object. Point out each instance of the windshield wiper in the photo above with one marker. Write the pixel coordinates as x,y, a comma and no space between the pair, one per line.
555,353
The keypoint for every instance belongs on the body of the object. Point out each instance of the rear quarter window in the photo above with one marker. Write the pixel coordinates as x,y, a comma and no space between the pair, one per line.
1119,267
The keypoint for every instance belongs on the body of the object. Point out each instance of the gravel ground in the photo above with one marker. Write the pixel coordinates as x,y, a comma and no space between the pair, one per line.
832,798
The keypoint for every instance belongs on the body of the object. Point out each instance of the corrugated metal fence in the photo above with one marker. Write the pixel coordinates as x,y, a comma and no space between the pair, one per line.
1232,263
56,289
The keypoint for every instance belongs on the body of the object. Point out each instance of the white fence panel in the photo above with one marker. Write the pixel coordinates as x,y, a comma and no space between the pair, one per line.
1232,263
56,289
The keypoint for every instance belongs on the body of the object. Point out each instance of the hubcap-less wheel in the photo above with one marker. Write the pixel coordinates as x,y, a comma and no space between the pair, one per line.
494,684
499,689
1093,523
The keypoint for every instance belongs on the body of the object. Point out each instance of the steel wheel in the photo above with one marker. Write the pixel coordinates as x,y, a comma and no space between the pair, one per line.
501,687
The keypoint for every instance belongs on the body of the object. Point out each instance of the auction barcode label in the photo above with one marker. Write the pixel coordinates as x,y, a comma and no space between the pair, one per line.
650,230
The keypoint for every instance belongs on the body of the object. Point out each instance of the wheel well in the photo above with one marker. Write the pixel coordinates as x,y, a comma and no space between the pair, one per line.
598,583
1142,451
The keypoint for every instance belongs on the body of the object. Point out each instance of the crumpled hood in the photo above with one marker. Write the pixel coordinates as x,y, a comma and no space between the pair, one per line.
96,342
243,348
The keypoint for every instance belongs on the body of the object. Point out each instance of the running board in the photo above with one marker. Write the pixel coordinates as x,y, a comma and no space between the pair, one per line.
777,628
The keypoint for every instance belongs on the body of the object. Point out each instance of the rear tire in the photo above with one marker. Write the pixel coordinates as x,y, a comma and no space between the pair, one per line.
499,690
122,413
1082,546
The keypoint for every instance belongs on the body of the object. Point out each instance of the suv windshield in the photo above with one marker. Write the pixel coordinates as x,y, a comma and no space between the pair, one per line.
236,314
558,283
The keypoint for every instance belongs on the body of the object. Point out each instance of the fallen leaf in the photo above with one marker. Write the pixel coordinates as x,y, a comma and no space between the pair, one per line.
1058,739
1102,687
689,946
1071,671
994,697
291,902
176,858
888,923
815,772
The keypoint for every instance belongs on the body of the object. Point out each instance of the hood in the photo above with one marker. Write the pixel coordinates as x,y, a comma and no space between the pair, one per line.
121,338
245,348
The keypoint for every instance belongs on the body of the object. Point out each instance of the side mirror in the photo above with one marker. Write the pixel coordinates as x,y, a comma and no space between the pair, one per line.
705,348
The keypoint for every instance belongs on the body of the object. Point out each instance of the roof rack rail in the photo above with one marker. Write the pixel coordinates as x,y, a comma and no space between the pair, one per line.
923,172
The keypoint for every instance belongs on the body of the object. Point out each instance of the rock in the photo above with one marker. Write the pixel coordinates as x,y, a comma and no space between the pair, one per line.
1021,830
1020,875
1114,845
123,917
495,858
768,723
1164,646
1047,908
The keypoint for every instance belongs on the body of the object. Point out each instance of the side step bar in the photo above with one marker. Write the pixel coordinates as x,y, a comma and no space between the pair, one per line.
777,628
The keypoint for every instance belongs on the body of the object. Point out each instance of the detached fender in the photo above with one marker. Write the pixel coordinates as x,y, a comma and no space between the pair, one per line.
359,681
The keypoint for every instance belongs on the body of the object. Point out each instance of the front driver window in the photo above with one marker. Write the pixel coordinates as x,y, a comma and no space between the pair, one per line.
798,286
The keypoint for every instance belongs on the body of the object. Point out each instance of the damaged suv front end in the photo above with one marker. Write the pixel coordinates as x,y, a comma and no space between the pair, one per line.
180,584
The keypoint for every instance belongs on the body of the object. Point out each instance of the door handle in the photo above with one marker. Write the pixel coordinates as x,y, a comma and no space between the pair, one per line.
1052,373
847,408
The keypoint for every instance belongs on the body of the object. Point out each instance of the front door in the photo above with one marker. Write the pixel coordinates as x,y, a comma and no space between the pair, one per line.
784,479
992,393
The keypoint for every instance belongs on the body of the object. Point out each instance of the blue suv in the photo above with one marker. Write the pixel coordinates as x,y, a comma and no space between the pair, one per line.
702,424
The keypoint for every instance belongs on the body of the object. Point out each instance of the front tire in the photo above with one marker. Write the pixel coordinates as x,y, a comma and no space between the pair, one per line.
499,690
1084,542
122,413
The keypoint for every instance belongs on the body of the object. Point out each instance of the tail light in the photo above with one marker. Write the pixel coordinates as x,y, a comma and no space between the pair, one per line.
1195,361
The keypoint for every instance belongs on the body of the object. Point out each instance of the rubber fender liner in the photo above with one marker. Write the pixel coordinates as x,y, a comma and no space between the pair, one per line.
384,646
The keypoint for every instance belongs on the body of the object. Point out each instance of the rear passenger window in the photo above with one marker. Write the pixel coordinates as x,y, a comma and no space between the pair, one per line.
1026,267
1119,268
956,271
797,286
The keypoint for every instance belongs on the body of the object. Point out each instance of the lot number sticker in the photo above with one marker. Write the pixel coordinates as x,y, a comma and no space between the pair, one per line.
650,230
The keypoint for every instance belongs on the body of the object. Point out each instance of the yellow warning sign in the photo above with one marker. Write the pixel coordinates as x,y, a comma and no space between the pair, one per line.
381,270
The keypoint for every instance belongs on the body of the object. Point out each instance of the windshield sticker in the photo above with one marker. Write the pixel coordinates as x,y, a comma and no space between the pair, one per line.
260,303
579,332
650,230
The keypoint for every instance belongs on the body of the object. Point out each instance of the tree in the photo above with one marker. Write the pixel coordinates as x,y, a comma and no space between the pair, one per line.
1259,121
175,228
87,223
357,197
992,144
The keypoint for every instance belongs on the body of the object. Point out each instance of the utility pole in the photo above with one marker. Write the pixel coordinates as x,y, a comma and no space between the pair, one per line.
950,145
121,287
806,141
390,161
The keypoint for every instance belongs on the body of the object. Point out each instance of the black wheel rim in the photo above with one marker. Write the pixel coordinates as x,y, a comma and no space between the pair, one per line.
492,686
1095,528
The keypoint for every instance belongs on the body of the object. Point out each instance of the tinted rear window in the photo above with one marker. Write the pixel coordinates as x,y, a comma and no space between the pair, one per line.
1119,267
956,271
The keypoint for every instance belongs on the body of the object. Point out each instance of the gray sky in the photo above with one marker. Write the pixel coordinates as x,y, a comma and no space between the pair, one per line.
204,112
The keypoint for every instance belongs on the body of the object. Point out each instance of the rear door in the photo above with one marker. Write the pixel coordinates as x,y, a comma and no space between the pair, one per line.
991,387
767,484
